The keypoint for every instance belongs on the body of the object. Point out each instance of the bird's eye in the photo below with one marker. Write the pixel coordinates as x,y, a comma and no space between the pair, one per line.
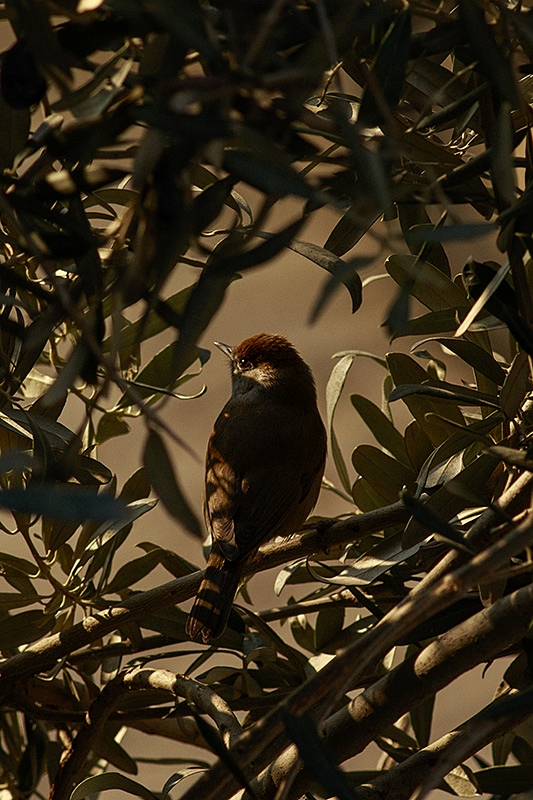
244,364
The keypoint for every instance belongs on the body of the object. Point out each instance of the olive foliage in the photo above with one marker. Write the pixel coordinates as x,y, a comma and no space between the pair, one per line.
131,134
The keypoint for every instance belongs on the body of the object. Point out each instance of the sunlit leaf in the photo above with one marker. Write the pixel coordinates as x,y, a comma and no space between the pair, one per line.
334,389
111,780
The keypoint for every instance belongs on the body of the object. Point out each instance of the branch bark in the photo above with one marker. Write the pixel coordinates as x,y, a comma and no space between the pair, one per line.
441,756
88,733
194,692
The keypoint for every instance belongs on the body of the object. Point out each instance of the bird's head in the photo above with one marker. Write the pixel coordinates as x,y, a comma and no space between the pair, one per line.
267,361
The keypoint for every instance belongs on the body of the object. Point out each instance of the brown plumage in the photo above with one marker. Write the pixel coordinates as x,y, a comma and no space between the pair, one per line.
264,466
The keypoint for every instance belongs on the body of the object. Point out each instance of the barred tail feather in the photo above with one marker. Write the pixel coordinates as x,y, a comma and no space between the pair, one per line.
211,609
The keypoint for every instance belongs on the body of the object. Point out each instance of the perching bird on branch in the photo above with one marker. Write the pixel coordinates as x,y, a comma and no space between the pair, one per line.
264,466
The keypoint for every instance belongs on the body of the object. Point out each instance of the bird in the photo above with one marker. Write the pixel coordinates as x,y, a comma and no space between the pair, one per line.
264,465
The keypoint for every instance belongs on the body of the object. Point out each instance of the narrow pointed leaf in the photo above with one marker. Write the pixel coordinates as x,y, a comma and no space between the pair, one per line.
160,473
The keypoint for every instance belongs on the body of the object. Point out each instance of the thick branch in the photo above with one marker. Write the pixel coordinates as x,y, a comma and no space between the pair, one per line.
481,534
87,735
194,692
441,756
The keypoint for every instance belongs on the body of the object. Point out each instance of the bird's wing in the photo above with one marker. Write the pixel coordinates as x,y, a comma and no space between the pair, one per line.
222,495
283,507
259,487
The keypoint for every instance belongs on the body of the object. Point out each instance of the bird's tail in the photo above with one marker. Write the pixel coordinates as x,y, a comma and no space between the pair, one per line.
211,609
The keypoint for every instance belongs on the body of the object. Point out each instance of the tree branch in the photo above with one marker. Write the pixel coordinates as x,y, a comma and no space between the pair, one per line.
441,756
45,653
476,640
194,692
265,740
88,733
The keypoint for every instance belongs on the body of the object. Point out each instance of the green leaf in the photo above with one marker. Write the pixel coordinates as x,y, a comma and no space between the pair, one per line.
491,57
160,473
457,397
516,386
406,371
176,777
334,389
385,474
329,624
171,561
255,159
505,780
58,435
381,427
135,570
426,283
107,748
151,324
274,244
462,781
137,487
111,780
441,321
160,373
388,72
67,503
110,426
442,530
58,532
351,228
472,354
512,457
415,221
208,205
24,628
365,496
421,717
341,272
446,502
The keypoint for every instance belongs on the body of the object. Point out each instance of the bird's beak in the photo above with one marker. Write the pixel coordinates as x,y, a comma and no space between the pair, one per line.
225,348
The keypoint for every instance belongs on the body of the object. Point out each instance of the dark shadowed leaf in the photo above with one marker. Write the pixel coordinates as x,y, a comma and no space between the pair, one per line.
516,386
425,282
316,756
24,628
491,57
434,524
160,473
501,780
381,426
421,718
472,354
386,475
350,229
388,71
65,503
446,502
458,397
257,161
